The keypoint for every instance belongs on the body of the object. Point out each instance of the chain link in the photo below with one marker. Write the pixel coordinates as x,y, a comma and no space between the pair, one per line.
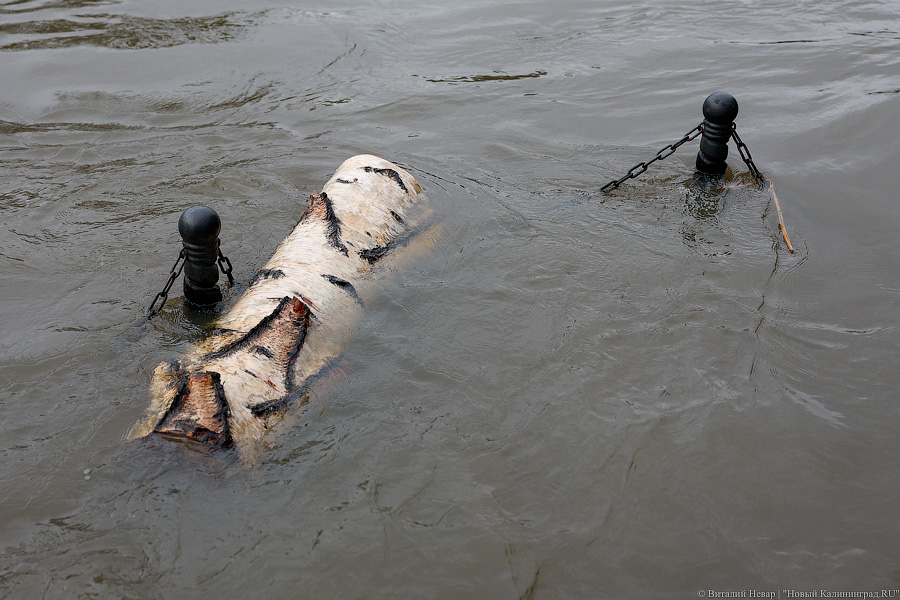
745,155
664,152
164,294
225,267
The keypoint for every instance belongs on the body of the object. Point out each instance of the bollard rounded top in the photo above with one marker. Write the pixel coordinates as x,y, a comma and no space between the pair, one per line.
199,226
720,108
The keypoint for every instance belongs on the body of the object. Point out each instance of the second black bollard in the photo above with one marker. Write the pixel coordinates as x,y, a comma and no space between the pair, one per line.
719,111
199,227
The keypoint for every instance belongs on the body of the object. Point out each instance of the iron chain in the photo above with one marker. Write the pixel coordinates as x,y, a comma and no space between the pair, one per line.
225,266
664,152
745,154
692,134
164,294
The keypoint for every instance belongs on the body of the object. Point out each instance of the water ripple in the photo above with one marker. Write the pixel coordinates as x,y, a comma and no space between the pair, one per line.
495,76
123,32
24,6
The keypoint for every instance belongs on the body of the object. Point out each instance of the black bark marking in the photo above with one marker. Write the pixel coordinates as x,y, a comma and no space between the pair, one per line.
390,174
263,274
396,216
289,384
262,351
344,285
264,409
256,336
333,226
373,254
339,180
276,405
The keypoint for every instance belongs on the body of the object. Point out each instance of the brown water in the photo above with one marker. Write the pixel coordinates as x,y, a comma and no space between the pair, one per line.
640,396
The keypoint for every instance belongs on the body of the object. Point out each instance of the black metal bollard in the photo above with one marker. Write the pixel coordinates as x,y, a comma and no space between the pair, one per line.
719,111
199,227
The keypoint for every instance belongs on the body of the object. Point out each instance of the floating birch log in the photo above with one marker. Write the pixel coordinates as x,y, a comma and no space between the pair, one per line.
294,317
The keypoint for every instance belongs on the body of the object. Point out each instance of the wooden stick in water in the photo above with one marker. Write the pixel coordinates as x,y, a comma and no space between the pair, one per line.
784,234
771,187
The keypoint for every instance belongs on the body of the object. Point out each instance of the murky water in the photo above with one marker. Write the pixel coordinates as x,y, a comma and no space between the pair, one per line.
569,397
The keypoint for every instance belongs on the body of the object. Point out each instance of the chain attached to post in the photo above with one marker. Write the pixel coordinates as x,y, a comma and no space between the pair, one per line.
164,294
664,152
763,181
744,151
225,267
745,154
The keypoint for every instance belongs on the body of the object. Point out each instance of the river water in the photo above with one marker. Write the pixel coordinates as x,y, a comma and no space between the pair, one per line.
639,395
